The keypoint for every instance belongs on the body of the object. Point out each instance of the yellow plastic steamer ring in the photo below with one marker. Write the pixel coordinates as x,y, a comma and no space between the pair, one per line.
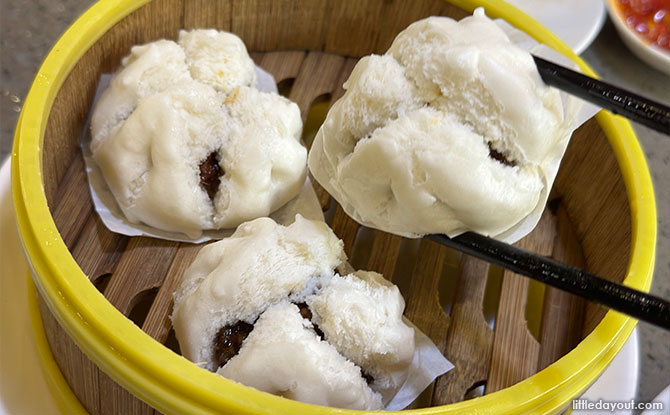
66,400
171,383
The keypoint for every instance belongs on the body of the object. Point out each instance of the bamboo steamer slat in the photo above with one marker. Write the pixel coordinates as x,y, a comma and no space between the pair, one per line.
478,316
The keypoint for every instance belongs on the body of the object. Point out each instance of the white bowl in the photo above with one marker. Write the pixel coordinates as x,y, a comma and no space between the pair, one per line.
576,22
651,54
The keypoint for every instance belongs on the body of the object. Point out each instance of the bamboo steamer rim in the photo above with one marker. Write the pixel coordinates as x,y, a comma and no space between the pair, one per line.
66,401
171,383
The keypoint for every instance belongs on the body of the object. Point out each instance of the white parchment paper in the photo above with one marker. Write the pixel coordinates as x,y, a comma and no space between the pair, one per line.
428,362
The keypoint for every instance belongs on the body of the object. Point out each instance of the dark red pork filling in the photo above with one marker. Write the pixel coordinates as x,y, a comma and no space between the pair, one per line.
210,175
498,156
228,341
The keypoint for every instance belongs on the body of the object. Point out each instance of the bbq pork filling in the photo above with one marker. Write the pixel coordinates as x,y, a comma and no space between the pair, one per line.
267,308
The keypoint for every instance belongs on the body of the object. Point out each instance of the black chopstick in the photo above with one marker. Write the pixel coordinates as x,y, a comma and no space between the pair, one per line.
632,106
576,281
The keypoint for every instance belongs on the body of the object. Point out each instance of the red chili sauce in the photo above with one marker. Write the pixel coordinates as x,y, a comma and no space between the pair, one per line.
649,18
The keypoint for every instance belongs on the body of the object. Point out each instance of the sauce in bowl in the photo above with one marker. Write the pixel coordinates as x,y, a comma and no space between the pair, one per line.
650,19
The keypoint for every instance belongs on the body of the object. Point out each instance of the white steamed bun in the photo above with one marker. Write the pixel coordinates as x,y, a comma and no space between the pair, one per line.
174,106
451,130
316,335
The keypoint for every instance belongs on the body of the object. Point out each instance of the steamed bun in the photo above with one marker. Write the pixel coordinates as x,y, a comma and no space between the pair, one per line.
284,356
186,143
298,328
451,130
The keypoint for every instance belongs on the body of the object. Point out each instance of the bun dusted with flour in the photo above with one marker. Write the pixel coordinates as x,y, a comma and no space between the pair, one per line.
451,130
267,308
186,143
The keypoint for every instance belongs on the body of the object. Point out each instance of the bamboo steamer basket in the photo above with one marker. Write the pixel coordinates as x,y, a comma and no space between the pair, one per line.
104,299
